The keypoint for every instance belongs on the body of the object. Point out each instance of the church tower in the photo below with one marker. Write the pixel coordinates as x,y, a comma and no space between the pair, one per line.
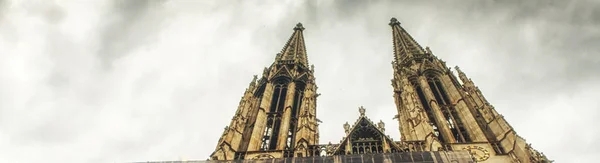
445,113
276,116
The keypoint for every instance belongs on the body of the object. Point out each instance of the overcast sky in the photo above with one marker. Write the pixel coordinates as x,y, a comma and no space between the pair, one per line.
121,81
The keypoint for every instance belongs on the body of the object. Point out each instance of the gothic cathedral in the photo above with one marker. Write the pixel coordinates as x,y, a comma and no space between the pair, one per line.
442,118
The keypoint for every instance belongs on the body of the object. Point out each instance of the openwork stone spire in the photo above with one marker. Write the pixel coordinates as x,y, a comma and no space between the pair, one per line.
294,50
404,45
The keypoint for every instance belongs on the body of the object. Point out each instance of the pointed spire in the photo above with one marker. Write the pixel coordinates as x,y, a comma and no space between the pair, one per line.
294,50
404,44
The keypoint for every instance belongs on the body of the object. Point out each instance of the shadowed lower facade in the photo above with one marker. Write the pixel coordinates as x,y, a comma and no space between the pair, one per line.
442,117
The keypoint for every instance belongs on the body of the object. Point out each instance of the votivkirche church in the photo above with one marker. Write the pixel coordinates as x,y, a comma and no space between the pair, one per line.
442,117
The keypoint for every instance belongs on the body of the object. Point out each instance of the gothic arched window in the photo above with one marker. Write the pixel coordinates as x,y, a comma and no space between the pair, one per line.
448,110
296,107
271,132
429,112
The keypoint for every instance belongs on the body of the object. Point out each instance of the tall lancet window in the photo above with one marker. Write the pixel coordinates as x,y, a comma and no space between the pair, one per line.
429,112
298,96
271,133
449,111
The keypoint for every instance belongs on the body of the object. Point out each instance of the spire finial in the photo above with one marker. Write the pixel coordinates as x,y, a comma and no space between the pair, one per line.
299,27
394,21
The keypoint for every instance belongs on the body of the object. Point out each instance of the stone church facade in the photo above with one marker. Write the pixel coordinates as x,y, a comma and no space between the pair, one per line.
442,117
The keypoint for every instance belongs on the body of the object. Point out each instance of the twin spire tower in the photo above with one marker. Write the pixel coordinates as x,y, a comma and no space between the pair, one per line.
436,111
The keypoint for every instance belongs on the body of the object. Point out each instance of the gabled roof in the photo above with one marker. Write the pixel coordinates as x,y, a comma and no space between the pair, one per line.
364,122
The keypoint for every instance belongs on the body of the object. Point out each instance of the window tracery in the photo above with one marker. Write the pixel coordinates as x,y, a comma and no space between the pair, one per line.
448,110
271,132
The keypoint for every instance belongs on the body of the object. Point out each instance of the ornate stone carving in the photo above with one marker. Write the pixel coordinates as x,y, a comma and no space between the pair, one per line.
381,125
346,127
361,110
263,157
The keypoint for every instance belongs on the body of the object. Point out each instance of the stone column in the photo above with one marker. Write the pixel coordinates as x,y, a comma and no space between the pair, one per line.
285,118
261,119
442,125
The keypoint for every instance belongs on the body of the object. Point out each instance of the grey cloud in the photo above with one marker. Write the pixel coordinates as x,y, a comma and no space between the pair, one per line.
557,60
3,4
129,25
534,61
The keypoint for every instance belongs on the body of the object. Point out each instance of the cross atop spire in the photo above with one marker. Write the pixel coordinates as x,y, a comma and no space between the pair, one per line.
294,51
404,45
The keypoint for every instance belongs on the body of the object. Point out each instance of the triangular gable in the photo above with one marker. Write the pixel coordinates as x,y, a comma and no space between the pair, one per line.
428,65
283,71
364,130
303,77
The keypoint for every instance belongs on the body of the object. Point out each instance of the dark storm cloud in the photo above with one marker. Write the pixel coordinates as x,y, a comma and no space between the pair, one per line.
129,25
